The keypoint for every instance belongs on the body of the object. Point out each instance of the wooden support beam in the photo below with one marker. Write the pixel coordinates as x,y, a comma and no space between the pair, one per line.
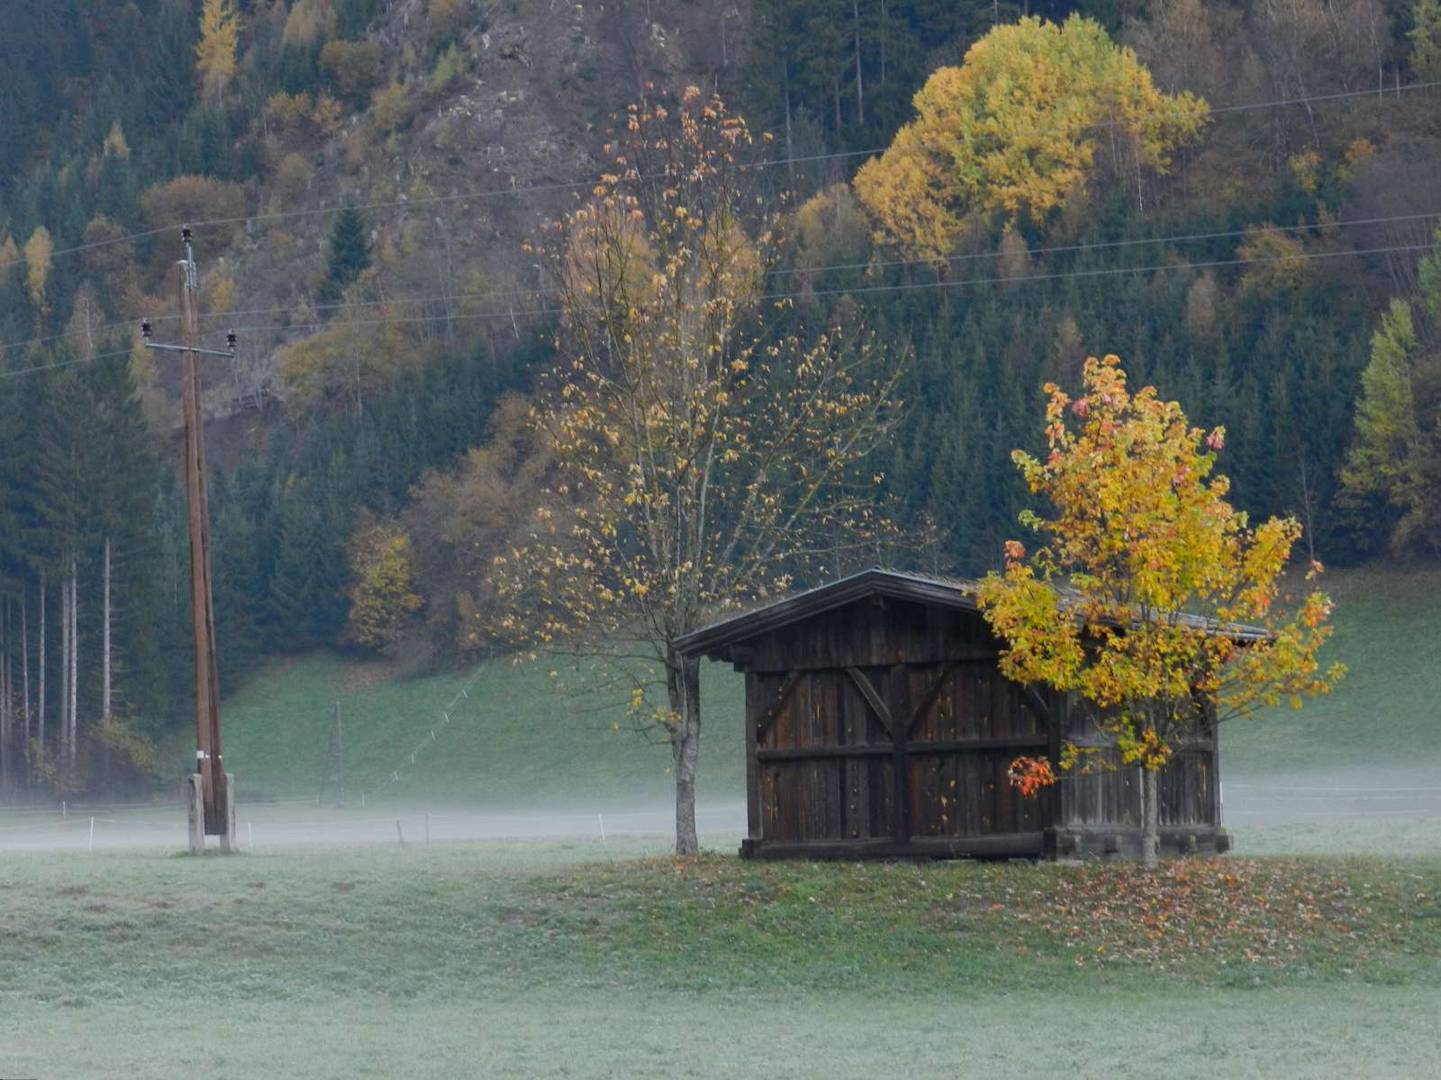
949,746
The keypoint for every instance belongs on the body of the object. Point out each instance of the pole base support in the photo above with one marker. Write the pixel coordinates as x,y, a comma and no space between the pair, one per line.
195,811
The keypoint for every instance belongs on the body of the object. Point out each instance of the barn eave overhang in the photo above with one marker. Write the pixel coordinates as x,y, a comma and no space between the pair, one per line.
719,640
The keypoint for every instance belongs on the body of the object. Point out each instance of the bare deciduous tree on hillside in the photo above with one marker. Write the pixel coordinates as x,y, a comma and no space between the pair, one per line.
703,454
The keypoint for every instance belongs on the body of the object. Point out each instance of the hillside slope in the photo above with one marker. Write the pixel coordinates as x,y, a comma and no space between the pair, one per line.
520,739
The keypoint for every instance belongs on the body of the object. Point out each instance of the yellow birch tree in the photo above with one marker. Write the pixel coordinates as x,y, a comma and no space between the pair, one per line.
702,455
1017,128
215,52
1152,598
38,253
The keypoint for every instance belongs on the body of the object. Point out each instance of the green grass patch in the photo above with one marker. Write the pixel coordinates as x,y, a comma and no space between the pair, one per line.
1380,723
502,919
521,738
578,960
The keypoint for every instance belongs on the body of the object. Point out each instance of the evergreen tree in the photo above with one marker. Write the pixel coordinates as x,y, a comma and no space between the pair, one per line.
1393,470
349,252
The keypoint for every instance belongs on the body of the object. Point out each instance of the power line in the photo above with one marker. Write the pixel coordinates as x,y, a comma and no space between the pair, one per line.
800,294
1229,234
63,364
1101,272
780,272
1392,93
1016,279
911,286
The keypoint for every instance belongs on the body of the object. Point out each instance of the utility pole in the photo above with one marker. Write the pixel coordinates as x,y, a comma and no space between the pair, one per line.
212,798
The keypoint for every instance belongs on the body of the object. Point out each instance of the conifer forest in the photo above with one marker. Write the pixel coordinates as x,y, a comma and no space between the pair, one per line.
955,202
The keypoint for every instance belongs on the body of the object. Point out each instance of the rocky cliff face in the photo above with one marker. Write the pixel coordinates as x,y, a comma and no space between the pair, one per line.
463,150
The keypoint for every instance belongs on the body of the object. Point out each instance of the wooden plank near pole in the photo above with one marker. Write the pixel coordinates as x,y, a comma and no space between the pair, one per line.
195,809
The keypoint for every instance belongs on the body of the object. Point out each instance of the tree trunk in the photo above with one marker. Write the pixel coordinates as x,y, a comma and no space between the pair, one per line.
25,663
885,24
74,661
105,668
860,87
1150,818
790,141
64,754
683,685
40,707
6,689
105,699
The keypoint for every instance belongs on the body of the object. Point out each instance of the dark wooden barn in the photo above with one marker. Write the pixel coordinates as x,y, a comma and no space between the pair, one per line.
878,724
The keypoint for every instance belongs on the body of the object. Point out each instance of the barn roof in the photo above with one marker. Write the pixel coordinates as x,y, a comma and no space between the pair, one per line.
948,592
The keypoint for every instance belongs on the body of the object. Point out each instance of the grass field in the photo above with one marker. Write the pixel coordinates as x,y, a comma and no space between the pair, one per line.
1319,957
1381,724
574,960
520,739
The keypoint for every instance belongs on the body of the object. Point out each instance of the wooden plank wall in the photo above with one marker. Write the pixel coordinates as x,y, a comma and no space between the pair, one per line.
823,698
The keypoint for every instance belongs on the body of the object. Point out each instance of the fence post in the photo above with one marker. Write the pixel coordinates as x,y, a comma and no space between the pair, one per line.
601,818
227,838
427,829
398,834
92,834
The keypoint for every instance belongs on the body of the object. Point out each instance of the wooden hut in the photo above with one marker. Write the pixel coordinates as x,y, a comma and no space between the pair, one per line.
878,724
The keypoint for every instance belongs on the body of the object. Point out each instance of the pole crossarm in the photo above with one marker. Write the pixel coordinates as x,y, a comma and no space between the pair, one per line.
229,354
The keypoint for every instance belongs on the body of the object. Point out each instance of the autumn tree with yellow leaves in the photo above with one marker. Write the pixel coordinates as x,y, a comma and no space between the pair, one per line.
702,455
39,254
1151,597
383,596
1017,128
215,52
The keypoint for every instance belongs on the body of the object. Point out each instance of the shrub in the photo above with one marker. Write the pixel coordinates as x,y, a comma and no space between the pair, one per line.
354,67
390,108
292,177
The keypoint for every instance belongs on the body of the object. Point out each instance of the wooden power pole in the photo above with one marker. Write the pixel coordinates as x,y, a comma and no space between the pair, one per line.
212,798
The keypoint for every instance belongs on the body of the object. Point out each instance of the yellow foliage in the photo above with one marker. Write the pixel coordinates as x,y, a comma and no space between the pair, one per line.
38,252
701,448
115,144
221,294
345,362
308,22
1016,128
389,107
1306,168
1147,573
382,592
831,229
1277,262
292,177
9,257
215,52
